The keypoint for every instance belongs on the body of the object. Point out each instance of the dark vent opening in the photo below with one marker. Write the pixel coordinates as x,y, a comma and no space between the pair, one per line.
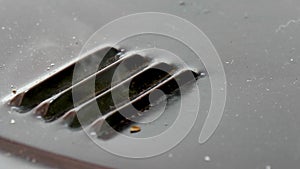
140,76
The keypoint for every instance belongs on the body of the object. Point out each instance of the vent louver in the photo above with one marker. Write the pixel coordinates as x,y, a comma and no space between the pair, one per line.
52,99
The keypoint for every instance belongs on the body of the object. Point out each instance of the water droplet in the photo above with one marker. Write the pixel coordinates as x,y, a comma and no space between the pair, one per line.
170,155
12,121
119,54
93,134
202,74
207,158
52,64
74,37
2,27
75,19
292,60
37,24
123,50
227,62
268,167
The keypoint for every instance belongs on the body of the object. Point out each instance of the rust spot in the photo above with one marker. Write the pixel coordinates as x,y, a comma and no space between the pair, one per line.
135,129
14,91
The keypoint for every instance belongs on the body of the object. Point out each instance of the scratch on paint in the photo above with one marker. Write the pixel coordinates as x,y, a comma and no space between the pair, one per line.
281,27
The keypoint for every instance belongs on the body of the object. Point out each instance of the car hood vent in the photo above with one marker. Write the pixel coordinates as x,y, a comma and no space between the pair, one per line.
52,98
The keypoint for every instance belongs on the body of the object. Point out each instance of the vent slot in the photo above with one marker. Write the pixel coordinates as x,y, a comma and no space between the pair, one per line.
55,107
116,121
59,81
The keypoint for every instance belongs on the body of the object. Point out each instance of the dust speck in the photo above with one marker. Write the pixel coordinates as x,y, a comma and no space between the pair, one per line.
207,158
268,167
12,121
292,60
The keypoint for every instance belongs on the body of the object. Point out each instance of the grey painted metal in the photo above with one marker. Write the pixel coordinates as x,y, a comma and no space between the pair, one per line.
258,44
